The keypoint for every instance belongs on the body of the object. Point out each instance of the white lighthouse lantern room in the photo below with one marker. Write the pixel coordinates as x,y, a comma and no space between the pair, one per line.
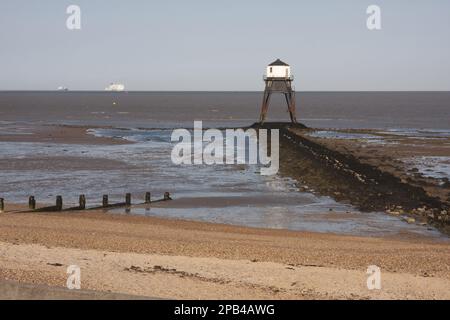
278,69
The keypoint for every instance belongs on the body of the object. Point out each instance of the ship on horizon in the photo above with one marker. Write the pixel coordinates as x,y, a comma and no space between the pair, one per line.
116,87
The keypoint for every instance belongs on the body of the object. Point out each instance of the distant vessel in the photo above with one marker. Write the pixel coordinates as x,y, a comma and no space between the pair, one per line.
63,88
115,87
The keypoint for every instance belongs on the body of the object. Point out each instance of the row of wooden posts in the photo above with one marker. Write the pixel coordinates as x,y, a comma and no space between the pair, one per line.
82,202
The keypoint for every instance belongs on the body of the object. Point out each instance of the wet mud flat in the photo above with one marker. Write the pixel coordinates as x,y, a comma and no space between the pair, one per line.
114,161
370,178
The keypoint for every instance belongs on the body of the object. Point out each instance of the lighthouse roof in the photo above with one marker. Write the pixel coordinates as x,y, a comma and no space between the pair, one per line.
278,62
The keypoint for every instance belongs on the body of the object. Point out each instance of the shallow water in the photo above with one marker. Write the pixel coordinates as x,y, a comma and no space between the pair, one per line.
433,167
330,134
303,217
227,194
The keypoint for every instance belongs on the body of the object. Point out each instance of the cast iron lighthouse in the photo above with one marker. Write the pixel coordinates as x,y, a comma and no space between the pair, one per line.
278,78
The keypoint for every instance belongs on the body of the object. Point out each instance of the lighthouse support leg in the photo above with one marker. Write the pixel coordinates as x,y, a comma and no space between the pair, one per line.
290,100
265,106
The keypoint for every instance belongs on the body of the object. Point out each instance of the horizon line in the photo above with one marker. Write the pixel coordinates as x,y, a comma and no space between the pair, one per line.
210,91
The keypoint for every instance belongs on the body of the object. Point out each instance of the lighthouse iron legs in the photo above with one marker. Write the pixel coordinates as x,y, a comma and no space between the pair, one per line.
290,100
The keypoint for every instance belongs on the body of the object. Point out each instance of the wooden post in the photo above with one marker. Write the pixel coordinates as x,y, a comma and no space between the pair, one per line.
148,197
128,199
82,202
2,205
167,196
59,203
31,203
105,200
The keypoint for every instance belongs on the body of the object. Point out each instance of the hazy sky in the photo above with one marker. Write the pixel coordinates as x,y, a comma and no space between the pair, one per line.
212,45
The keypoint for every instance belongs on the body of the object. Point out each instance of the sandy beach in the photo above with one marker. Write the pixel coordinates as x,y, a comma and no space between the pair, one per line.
191,260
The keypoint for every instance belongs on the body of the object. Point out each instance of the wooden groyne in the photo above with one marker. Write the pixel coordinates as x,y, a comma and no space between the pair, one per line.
82,203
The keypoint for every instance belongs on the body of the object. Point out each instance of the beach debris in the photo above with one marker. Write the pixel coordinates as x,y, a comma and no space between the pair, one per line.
2,205
290,268
153,269
55,264
133,268
410,220
426,274
395,210
422,210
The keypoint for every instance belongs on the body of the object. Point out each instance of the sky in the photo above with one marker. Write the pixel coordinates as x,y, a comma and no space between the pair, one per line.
224,45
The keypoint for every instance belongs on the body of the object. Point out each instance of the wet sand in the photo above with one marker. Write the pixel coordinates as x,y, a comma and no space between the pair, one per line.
53,134
192,260
62,163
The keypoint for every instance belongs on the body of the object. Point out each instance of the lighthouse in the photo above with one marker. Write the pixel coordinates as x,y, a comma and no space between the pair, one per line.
278,78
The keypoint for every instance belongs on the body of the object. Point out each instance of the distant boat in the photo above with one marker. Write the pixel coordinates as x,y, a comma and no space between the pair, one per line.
117,87
63,89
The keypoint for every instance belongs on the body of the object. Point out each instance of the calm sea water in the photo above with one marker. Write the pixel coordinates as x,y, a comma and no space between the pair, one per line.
174,109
